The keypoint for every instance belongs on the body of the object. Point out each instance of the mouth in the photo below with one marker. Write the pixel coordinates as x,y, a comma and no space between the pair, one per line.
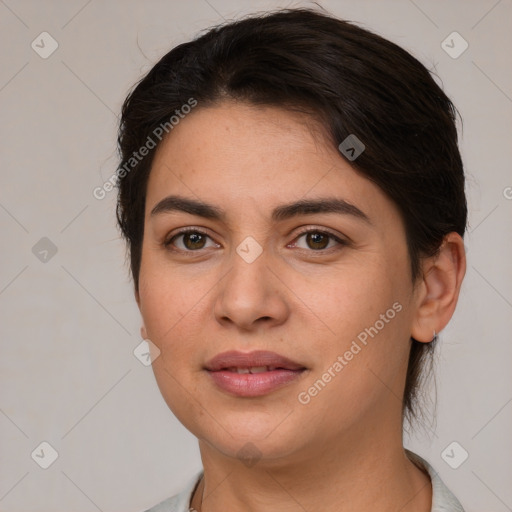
252,374
253,369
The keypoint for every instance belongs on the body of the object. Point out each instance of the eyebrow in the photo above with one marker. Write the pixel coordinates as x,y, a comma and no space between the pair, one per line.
282,212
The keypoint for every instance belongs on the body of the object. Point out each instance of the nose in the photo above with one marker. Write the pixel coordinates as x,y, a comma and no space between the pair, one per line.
251,296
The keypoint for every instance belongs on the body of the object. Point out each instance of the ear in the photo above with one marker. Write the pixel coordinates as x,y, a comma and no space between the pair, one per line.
438,291
143,331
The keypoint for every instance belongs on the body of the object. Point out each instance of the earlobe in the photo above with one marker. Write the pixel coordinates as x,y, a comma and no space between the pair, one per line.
143,331
442,280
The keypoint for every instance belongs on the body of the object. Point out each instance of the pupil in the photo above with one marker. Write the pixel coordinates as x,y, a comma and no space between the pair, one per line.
195,240
317,239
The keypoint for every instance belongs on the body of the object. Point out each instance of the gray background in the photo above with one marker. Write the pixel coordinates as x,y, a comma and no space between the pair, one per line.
69,323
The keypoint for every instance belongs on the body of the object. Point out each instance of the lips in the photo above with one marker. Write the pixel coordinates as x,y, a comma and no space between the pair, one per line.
256,359
253,369
252,374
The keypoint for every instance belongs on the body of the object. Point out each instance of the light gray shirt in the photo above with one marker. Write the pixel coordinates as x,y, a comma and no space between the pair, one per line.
442,498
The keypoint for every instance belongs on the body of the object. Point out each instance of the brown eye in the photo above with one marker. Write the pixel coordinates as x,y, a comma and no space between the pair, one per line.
188,241
193,240
317,240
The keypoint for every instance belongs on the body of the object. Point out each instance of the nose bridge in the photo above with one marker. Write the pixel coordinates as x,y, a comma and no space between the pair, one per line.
249,278
250,291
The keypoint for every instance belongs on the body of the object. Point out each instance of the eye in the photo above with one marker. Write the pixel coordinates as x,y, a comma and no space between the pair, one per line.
193,240
318,240
189,240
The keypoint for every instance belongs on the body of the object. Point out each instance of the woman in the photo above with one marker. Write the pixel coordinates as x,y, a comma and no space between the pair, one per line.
292,195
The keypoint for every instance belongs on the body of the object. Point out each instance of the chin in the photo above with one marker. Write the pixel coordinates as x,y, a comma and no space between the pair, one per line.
246,434
251,450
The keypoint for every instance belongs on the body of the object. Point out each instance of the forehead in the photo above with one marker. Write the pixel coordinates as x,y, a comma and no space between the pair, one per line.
236,155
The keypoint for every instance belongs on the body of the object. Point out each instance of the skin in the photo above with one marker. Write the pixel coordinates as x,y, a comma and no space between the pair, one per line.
294,299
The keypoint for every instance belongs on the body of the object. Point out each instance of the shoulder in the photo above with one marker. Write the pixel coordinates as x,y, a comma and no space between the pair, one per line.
180,502
443,499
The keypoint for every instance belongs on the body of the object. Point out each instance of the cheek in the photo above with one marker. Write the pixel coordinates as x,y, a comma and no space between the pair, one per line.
346,300
360,361
361,314
173,305
171,311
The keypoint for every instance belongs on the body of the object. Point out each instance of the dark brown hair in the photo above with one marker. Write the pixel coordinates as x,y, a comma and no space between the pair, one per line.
351,80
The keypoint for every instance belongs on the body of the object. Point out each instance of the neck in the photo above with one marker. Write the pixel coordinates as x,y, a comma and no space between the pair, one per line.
369,472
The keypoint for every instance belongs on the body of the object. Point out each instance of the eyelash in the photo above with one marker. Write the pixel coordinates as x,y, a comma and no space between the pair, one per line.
168,242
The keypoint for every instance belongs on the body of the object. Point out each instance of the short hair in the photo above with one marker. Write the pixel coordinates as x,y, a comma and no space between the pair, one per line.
352,81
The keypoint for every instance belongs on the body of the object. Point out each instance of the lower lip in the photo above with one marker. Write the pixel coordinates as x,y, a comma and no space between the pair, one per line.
253,384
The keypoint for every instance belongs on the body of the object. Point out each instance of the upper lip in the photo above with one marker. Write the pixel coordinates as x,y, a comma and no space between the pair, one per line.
235,359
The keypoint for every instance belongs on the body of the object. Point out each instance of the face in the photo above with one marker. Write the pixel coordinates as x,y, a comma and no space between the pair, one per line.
283,313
